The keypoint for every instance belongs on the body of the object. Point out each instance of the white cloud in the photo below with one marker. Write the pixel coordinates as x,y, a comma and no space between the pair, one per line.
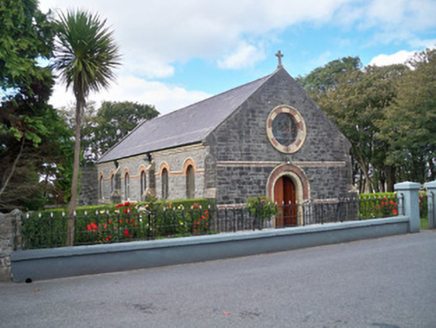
246,55
397,20
164,97
423,43
154,35
401,57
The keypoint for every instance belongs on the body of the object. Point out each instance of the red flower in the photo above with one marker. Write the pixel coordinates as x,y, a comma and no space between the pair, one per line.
110,237
92,227
121,221
119,205
394,211
126,204
109,221
126,233
105,226
132,220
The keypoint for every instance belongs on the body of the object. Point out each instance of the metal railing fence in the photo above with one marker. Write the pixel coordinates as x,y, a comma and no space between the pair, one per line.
47,231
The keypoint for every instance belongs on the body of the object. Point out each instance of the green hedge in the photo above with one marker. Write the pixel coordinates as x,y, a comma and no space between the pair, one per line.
115,223
372,202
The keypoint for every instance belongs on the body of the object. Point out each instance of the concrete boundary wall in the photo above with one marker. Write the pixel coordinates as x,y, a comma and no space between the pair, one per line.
43,264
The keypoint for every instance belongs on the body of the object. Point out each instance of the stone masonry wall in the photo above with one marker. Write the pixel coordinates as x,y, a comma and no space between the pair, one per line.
88,193
174,159
243,138
10,240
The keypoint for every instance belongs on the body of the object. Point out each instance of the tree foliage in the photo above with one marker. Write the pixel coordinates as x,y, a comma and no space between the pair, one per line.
86,56
102,128
387,113
112,122
30,130
410,124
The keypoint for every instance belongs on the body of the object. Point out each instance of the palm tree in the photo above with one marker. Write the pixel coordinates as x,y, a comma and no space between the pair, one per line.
86,55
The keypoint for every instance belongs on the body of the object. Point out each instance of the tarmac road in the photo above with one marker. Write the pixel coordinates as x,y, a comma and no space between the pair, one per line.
383,283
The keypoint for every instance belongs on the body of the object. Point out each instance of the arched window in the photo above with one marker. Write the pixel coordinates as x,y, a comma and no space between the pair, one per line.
112,184
127,186
143,185
100,187
164,183
190,182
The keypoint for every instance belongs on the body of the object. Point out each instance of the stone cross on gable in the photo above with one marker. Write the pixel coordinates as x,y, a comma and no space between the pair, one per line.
279,56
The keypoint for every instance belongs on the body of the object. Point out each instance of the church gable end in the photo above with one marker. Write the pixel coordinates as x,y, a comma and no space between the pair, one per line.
247,153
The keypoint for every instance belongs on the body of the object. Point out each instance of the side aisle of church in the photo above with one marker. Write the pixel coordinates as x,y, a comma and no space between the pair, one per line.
170,174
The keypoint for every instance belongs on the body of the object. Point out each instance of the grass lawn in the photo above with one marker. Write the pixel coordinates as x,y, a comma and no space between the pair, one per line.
424,223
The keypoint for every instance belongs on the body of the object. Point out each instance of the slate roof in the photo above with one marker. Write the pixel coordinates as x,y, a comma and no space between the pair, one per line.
185,126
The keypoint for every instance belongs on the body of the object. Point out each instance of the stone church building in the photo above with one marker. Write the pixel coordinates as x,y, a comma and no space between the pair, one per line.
266,137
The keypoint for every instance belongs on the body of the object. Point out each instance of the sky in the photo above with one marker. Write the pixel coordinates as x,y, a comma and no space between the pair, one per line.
176,53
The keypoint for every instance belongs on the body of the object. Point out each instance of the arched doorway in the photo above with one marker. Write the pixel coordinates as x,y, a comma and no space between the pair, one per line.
286,183
285,196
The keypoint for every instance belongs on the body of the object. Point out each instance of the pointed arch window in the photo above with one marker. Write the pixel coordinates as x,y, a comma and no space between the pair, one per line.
190,182
127,186
164,183
112,183
143,184
100,187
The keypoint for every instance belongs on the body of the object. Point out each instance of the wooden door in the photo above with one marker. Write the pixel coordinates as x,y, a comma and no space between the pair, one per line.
284,195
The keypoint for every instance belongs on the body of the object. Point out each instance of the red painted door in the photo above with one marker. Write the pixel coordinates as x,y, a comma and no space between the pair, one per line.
284,195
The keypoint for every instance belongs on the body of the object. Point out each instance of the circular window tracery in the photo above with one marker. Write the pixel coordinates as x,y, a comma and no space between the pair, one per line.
286,129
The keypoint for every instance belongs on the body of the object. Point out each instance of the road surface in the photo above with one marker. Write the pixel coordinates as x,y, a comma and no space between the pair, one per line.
383,283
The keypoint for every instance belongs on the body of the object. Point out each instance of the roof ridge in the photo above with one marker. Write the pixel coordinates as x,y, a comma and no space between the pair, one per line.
211,97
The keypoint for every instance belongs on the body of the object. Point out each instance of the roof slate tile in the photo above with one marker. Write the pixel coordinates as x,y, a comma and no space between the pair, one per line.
185,126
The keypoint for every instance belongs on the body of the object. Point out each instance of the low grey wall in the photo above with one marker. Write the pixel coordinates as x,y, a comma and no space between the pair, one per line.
81,260
10,241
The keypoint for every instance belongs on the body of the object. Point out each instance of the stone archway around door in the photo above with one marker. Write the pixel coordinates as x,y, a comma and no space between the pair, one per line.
288,184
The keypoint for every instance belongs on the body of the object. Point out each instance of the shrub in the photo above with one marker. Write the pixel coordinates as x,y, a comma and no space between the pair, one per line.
261,208
114,223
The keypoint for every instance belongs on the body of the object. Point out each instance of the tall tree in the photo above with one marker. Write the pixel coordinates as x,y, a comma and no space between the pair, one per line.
356,100
86,56
26,35
112,122
410,125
